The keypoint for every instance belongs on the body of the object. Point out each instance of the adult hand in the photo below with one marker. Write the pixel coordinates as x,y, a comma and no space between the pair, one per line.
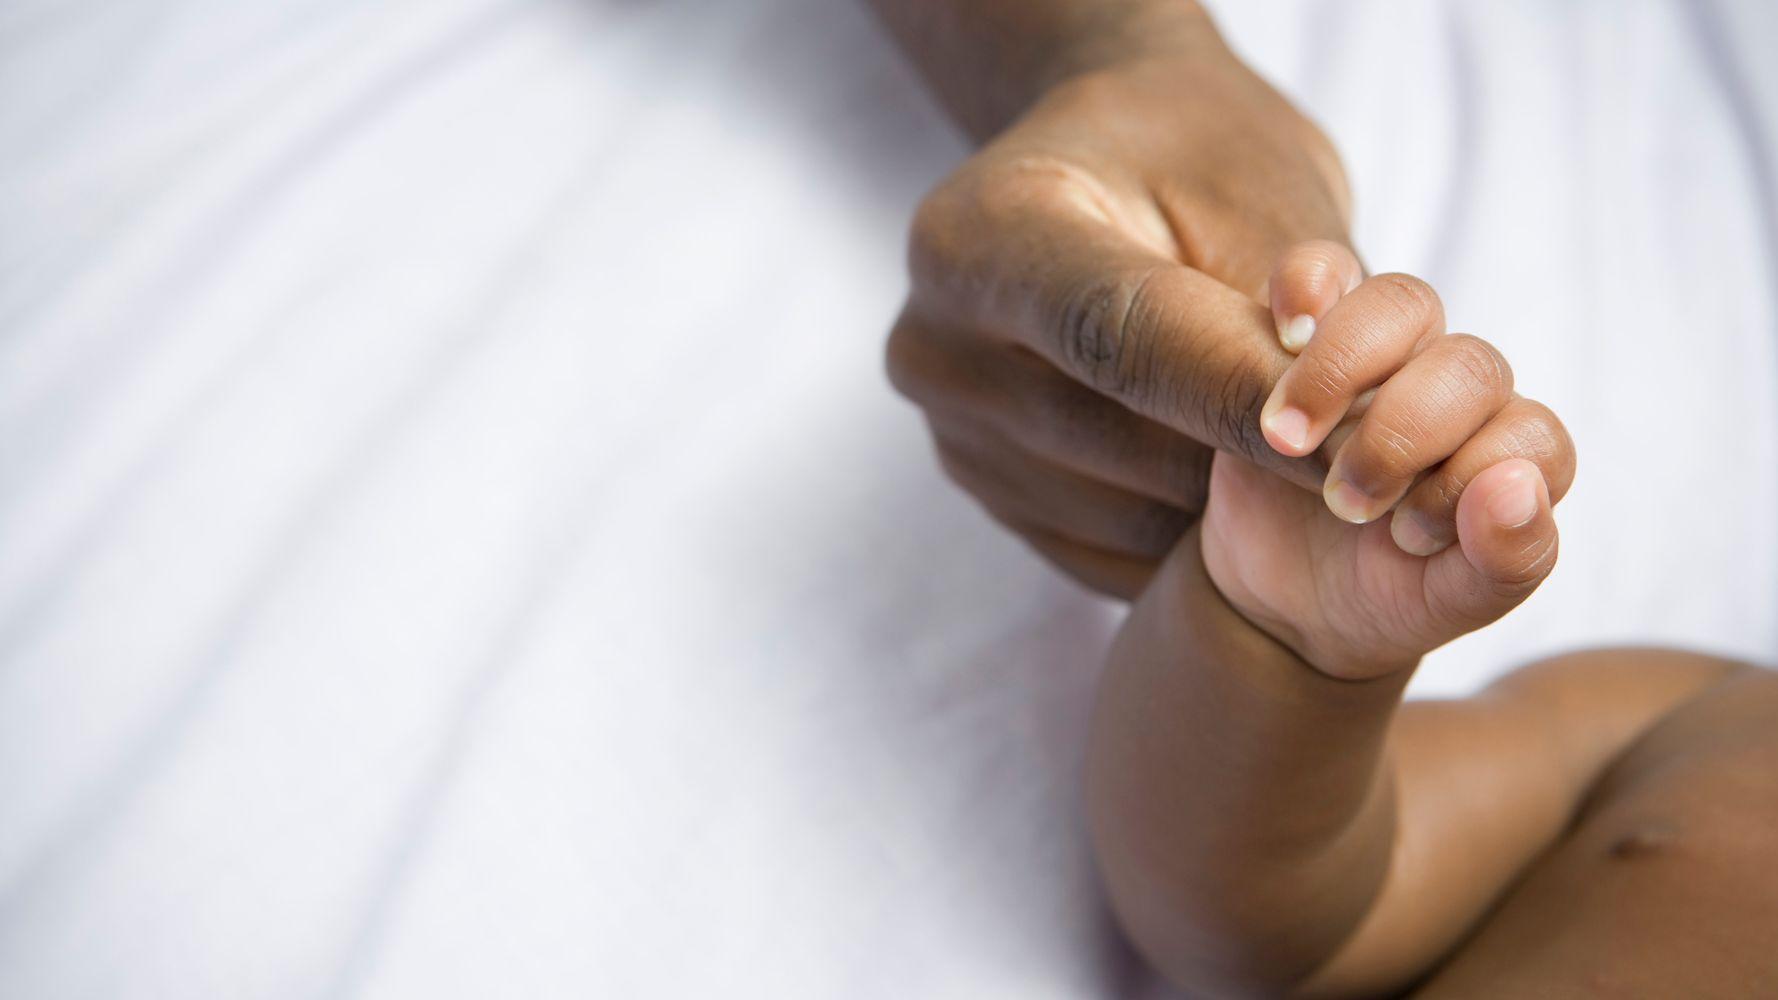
1087,320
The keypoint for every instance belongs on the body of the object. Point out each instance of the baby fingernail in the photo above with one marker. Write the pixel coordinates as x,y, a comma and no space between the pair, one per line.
1515,503
1412,536
1295,332
1348,502
1290,426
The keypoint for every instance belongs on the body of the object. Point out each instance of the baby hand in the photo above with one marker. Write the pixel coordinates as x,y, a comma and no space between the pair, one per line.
1442,441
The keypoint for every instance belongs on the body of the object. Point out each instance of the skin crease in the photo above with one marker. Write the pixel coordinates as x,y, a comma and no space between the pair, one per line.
1088,315
1272,820
1094,312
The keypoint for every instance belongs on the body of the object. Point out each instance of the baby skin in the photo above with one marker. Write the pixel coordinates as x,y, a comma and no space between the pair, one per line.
1272,819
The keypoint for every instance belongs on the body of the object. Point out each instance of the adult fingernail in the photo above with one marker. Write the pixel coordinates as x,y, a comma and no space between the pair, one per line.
1288,426
1348,502
1514,503
1413,536
1295,332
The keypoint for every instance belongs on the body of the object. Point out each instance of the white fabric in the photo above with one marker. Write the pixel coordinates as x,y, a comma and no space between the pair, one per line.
456,540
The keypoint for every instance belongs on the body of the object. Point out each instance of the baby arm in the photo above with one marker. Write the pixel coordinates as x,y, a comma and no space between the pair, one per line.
1267,817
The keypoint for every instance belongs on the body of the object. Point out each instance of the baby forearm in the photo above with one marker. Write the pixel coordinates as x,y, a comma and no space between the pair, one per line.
1242,810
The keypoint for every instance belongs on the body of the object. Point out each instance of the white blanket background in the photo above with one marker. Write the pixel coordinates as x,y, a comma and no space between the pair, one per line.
456,539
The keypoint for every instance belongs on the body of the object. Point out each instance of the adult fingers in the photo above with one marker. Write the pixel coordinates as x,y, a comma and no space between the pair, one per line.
1033,496
961,380
1036,259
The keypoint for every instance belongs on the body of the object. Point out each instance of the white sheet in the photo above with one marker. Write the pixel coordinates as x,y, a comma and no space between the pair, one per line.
456,541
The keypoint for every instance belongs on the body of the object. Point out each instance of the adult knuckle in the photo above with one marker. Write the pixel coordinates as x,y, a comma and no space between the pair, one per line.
994,194
1012,185
1231,408
923,369
945,235
1099,321
1086,336
933,248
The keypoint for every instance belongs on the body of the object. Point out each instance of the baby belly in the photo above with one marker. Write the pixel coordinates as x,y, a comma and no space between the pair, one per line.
1666,885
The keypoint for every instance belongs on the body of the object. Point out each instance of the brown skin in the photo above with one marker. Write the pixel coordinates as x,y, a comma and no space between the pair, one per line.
1663,882
1086,321
1600,824
1271,820
1088,315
